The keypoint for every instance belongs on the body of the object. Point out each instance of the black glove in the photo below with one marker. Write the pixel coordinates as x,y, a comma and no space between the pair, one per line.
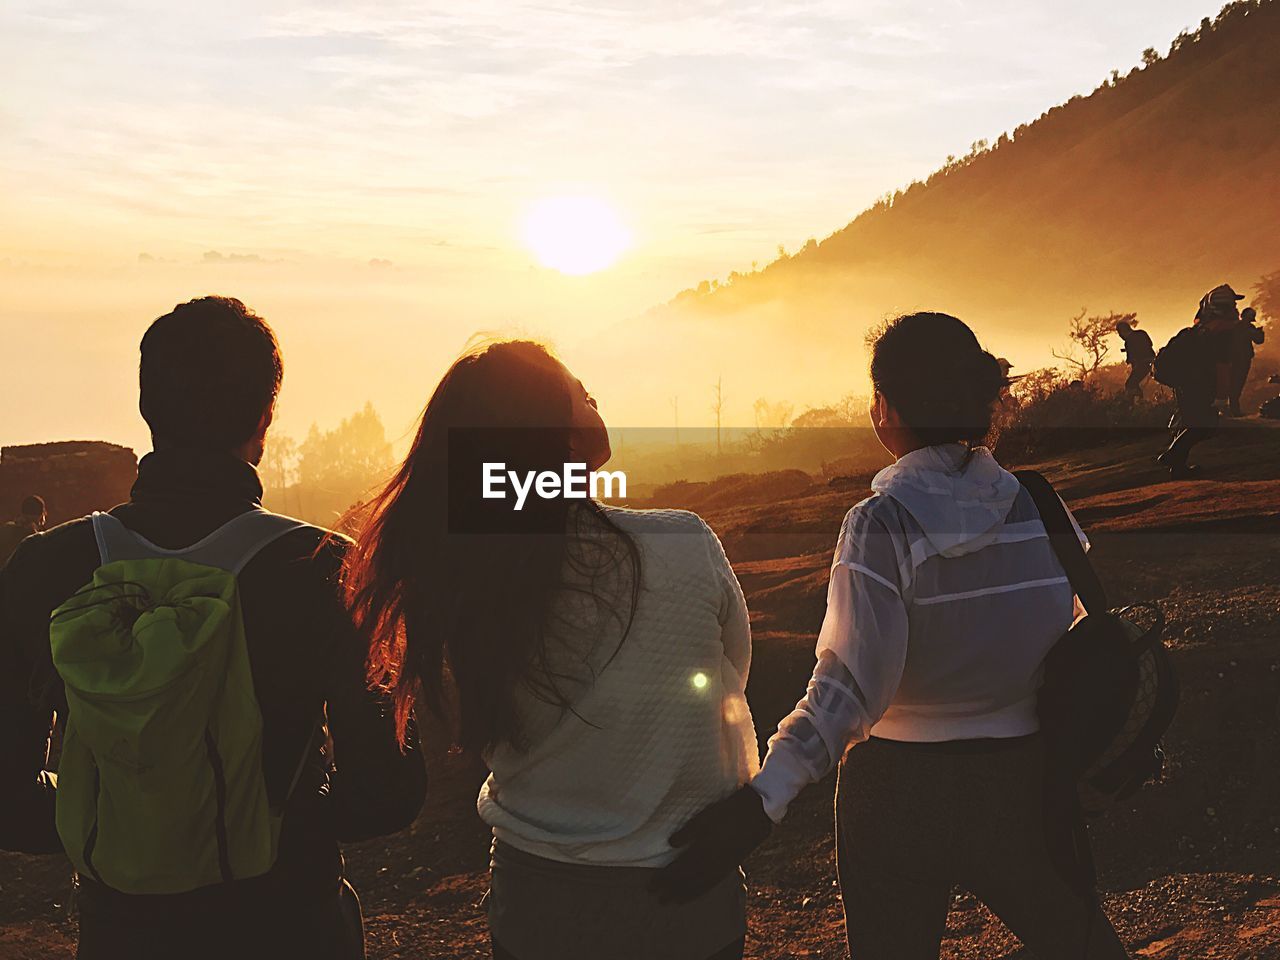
716,842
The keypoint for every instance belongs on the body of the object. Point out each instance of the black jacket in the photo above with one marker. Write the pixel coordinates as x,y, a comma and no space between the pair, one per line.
1138,347
306,661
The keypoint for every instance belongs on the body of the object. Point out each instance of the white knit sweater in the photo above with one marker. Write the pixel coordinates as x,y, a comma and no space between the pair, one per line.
660,726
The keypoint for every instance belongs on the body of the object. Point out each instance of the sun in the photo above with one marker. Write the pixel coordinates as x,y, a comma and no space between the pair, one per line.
576,235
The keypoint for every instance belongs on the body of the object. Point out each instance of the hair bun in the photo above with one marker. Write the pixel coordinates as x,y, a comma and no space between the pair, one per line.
934,371
983,374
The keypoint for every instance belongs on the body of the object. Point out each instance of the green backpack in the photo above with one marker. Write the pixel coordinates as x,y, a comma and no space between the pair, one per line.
160,783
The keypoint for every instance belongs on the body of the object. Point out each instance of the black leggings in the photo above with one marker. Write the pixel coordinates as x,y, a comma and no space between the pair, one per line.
732,952
915,820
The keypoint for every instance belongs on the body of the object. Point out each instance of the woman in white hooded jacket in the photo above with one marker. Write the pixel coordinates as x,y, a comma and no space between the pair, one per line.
945,597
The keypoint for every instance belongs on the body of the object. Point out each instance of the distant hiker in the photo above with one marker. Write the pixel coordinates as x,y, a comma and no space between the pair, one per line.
31,518
1219,309
1243,338
1218,317
945,596
600,658
1009,379
1187,364
201,662
1139,352
34,512
1005,367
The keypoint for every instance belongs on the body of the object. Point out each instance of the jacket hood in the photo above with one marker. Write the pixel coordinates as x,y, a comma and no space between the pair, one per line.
960,506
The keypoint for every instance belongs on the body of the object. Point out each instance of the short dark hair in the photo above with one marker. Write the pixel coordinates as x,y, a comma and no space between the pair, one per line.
33,506
210,369
934,372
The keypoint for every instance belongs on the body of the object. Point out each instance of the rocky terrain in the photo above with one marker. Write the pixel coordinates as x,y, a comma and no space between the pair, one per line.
1190,867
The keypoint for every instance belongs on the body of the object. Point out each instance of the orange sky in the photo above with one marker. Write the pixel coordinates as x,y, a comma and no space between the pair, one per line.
361,174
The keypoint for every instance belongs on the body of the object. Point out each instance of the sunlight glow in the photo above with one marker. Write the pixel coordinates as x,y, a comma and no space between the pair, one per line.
576,235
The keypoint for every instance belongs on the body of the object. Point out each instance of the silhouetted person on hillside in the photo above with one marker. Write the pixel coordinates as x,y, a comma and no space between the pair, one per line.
218,735
31,518
1243,337
1188,365
34,512
945,598
1218,317
1139,352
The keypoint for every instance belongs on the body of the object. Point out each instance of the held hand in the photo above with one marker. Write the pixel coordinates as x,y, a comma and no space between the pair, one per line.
715,842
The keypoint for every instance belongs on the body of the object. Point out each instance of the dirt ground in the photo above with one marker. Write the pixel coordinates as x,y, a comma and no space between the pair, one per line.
1190,867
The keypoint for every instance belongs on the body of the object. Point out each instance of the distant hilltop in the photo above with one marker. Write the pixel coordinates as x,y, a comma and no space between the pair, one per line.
1166,175
75,477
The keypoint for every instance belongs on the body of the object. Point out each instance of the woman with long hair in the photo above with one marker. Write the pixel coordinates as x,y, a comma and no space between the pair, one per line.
597,657
945,598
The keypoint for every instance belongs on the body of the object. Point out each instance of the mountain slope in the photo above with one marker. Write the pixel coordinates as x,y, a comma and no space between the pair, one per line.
1140,196
1171,170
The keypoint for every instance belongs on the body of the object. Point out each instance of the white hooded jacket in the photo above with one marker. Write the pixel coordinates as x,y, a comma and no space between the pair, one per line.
945,596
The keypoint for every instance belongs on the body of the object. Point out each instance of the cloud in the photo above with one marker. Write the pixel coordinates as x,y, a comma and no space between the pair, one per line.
276,123
64,21
485,58
216,257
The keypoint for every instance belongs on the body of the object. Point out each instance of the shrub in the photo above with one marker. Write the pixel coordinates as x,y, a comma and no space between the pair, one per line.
1048,414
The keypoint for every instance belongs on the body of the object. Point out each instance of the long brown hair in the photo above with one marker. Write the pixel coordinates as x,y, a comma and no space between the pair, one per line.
445,585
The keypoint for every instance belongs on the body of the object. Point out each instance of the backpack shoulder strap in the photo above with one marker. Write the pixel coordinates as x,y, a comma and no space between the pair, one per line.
1066,545
238,541
229,548
116,541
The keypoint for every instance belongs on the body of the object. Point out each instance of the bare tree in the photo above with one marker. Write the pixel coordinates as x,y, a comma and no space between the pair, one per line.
675,413
1091,340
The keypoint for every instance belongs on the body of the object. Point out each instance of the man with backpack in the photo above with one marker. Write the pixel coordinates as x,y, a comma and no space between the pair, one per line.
1188,366
218,737
1192,364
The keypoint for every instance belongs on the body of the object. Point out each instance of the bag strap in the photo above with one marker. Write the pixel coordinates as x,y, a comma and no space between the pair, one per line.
1066,544
230,547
